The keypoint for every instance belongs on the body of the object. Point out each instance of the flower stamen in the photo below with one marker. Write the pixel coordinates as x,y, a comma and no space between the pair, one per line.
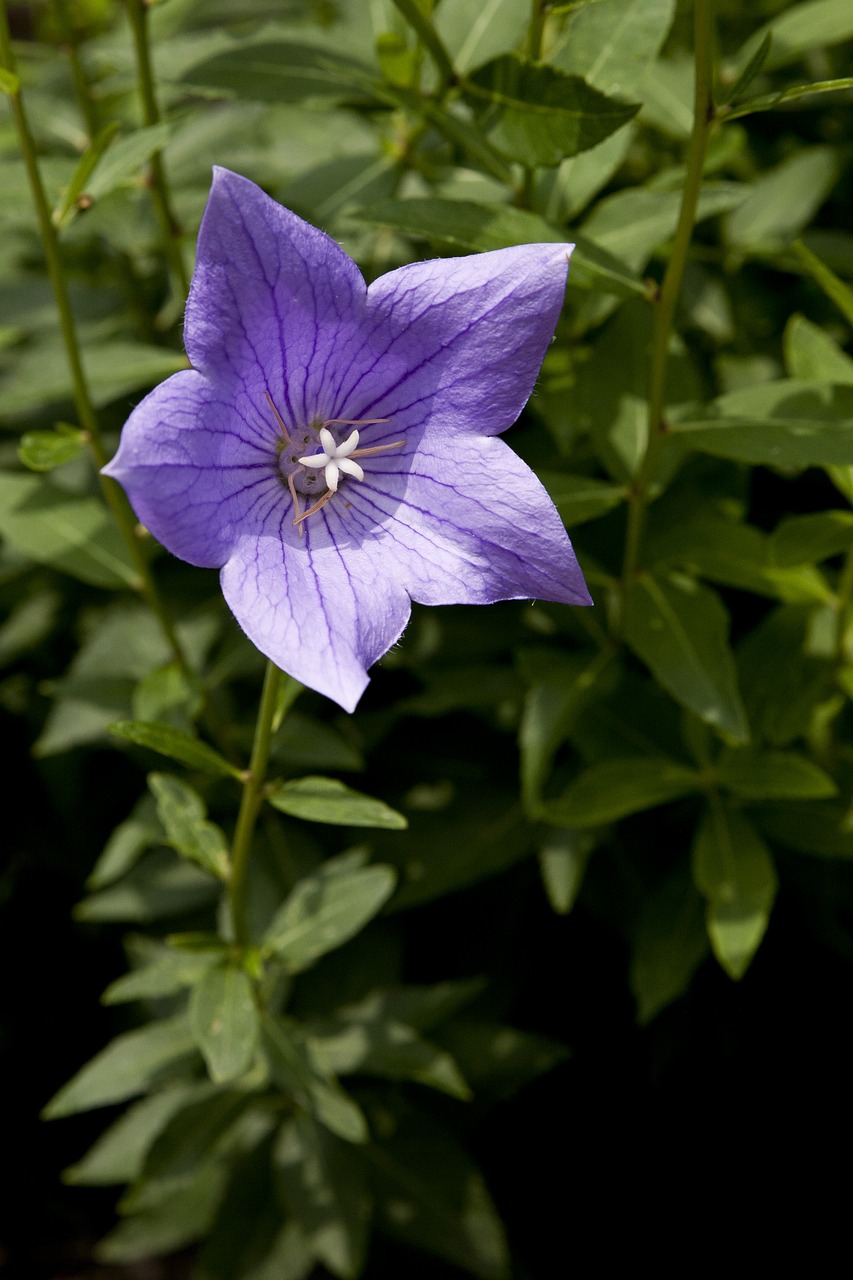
278,417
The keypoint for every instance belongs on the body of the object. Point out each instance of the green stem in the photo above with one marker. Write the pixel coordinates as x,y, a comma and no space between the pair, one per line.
536,29
430,39
70,41
138,13
703,122
250,804
113,493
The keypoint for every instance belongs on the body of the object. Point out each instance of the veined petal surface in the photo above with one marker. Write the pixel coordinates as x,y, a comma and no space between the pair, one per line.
333,451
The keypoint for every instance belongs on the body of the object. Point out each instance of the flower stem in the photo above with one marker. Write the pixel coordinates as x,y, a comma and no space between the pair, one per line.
536,29
113,494
703,122
70,41
138,13
251,802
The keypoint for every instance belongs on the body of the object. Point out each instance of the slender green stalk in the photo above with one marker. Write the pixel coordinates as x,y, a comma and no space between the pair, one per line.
251,802
703,121
71,43
536,29
430,39
138,13
113,493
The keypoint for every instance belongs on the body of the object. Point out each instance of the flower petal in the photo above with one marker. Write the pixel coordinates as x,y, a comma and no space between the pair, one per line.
196,469
458,342
274,303
322,613
467,523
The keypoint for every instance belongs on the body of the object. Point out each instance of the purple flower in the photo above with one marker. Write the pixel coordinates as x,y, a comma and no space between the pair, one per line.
334,448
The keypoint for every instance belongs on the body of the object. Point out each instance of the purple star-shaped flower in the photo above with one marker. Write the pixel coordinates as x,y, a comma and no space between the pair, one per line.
334,448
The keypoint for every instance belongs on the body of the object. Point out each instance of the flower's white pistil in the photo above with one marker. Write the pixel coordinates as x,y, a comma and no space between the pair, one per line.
336,459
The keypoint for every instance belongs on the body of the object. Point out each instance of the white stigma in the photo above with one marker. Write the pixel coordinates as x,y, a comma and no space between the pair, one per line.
335,458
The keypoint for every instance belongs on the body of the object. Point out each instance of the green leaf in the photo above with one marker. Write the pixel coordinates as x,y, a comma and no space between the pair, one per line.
431,1195
44,450
166,973
159,885
323,1184
733,869
195,1132
278,72
378,1045
819,828
537,114
328,800
119,1153
175,743
294,1069
806,539
499,1060
114,368
735,554
464,224
612,44
129,1065
679,629
812,355
65,210
616,788
183,815
224,1021
126,845
563,858
670,944
774,775
9,82
786,424
182,1215
550,708
581,498
783,684
738,84
64,530
836,290
800,28
125,158
326,910
769,101
782,201
633,223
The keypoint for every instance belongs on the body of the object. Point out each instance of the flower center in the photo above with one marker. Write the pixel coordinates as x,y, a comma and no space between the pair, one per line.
317,475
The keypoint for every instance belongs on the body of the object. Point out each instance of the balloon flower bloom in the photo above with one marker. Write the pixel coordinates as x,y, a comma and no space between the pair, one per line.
335,449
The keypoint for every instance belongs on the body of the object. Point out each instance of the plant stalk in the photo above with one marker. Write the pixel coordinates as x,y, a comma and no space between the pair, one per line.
138,14
703,122
250,803
113,493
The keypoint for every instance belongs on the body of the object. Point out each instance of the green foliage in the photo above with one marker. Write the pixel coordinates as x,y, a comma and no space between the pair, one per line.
646,805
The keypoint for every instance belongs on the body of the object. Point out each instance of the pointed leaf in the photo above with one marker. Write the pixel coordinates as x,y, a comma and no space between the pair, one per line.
616,788
66,530
224,1021
538,114
294,1068
175,743
182,812
128,1066
774,775
328,800
324,911
679,629
733,869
